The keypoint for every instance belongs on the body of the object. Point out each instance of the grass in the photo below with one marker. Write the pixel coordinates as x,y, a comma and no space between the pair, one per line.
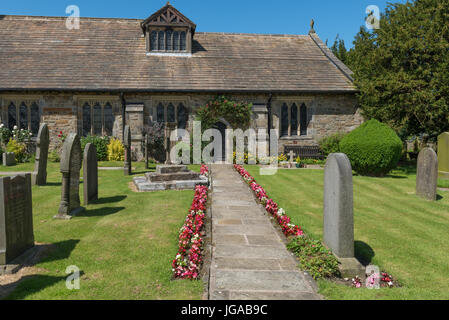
403,234
123,244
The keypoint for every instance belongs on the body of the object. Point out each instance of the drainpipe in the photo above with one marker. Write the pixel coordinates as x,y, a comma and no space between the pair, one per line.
270,97
122,99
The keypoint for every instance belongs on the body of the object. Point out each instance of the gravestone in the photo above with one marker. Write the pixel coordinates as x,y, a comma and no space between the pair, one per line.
90,174
9,159
443,155
147,151
39,176
16,217
127,145
338,217
70,169
427,174
291,156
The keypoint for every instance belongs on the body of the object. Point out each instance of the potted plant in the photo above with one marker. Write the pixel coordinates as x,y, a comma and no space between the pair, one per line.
298,162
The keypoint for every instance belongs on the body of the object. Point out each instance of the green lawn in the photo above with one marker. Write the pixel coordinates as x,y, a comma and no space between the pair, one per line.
403,234
123,244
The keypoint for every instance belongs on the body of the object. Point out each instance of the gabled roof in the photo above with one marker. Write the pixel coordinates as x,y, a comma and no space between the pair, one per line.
39,53
168,16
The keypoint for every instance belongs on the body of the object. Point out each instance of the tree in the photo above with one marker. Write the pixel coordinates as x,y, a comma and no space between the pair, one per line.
339,49
401,69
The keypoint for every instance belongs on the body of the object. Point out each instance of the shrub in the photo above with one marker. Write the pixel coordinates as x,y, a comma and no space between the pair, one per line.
314,257
373,148
331,144
116,151
54,156
101,144
19,150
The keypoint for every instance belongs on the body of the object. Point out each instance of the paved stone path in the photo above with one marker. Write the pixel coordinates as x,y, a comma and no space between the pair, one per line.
249,259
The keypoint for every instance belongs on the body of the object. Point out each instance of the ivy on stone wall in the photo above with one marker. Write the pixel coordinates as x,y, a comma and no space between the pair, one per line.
238,114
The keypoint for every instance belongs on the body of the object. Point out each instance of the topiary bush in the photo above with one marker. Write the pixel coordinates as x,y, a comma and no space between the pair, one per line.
101,144
373,148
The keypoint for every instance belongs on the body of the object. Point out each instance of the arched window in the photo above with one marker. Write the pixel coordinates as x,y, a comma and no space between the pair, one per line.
170,113
182,116
12,116
182,45
169,44
160,113
284,120
294,120
97,120
161,40
176,41
303,119
108,119
35,119
153,41
23,116
86,119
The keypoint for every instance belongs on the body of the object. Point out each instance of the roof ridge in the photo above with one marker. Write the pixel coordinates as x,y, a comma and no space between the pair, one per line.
328,53
252,34
30,17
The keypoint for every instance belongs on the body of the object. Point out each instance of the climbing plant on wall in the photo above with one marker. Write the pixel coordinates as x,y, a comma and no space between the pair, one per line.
238,114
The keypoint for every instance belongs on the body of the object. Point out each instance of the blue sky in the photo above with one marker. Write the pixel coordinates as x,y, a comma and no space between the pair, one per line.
331,17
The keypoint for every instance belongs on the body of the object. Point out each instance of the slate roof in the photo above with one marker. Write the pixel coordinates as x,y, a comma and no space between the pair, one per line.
39,53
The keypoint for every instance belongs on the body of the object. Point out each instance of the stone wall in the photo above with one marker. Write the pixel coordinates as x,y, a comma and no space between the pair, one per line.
327,113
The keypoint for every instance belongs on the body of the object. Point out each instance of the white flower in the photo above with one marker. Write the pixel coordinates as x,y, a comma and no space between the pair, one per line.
15,128
2,125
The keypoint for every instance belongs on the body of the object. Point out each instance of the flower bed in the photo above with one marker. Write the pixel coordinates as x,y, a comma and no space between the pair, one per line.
312,255
188,261
288,228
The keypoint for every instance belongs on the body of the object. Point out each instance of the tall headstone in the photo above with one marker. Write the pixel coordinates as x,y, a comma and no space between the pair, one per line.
70,169
338,217
169,128
443,155
127,145
16,217
427,174
39,176
147,151
90,173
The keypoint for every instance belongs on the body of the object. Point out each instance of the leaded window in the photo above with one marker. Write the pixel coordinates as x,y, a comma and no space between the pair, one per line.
182,116
284,120
293,120
12,116
97,119
168,41
26,116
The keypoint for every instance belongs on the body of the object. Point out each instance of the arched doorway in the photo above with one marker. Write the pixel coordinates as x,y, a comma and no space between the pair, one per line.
220,126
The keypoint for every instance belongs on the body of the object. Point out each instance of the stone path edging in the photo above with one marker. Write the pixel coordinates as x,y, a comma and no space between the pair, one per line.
249,257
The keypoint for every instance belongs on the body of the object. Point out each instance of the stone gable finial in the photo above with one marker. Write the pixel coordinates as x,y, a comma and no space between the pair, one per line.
312,25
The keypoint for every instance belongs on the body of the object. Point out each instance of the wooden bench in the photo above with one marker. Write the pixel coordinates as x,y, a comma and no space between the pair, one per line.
304,152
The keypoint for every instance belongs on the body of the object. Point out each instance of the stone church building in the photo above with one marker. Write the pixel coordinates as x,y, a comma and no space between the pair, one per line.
160,69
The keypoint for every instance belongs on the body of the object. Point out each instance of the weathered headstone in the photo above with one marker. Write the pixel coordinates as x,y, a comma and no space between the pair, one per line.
443,155
16,217
291,155
9,159
338,217
147,151
90,174
427,174
39,176
127,145
70,169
